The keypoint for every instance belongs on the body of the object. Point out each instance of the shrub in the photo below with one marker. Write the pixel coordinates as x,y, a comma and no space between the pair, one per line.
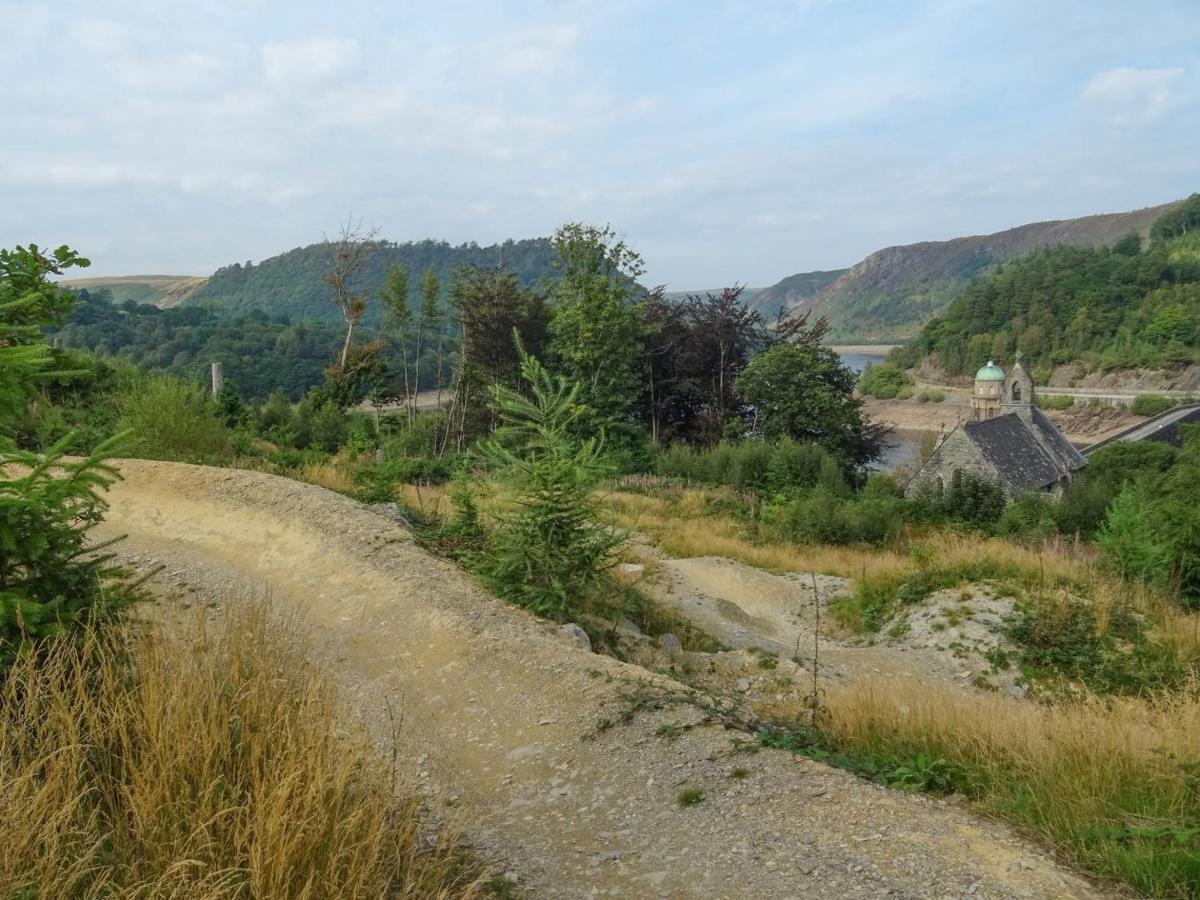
1151,404
930,395
321,422
821,517
276,413
795,467
884,382
377,483
1055,401
415,437
172,419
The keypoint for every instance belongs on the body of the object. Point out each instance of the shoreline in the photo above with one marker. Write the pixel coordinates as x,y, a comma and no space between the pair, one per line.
1081,425
863,348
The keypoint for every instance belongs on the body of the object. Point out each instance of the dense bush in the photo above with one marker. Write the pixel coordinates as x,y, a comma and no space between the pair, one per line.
826,518
172,419
786,466
1058,402
884,382
970,499
1150,404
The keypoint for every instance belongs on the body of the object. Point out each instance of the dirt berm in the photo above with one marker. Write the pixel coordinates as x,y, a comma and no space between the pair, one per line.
499,714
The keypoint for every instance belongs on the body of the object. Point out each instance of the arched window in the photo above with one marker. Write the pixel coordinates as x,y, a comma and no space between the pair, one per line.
939,487
1016,391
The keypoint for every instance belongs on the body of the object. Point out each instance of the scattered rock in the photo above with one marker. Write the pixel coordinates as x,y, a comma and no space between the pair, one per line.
577,636
628,626
670,645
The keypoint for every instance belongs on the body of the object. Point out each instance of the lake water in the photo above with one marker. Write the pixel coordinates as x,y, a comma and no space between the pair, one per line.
857,360
902,446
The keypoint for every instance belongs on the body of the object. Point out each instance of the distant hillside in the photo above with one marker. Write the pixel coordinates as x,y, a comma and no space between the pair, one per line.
293,284
793,291
163,291
894,291
1134,305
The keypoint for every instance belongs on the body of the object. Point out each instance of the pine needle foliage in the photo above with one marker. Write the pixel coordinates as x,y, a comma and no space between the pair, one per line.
50,579
549,552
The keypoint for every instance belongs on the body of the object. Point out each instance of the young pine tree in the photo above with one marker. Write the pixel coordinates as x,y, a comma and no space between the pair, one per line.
551,552
49,579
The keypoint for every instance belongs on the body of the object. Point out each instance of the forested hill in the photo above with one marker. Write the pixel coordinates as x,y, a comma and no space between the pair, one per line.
1136,304
894,291
293,283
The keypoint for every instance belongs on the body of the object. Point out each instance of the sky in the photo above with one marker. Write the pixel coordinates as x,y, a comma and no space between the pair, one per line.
727,142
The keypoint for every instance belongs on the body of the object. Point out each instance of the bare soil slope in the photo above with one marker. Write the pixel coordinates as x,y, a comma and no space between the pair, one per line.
499,713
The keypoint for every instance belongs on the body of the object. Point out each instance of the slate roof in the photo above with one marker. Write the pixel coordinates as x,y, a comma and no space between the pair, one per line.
1009,445
1064,449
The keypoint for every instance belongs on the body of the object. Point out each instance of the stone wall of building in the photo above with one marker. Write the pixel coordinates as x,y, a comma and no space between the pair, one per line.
956,452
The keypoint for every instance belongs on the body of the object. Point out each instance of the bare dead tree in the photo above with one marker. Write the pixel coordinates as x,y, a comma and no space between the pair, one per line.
347,257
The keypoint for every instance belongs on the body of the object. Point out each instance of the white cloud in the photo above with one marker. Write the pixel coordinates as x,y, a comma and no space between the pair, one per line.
307,62
1132,96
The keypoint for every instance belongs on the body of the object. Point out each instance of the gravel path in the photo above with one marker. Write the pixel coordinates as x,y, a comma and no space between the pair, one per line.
499,720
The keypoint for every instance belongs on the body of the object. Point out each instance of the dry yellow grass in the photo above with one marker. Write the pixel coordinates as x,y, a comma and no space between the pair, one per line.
1109,780
204,765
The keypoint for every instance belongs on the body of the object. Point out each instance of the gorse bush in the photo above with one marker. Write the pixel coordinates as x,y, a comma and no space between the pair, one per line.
173,420
549,552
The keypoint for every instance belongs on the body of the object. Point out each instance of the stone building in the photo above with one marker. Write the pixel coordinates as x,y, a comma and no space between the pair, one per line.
1008,440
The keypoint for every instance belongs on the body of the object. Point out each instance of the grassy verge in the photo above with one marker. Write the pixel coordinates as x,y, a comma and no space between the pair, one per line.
1114,783
202,766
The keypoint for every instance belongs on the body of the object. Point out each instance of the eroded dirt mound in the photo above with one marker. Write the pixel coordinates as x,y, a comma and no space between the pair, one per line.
503,717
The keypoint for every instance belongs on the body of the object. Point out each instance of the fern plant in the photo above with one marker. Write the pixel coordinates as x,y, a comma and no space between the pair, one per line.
549,552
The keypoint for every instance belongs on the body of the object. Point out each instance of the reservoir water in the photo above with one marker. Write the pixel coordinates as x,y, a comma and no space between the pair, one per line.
902,446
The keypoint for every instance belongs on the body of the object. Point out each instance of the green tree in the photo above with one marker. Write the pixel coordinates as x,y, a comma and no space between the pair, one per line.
597,330
1129,538
550,553
802,391
432,322
49,578
397,322
489,305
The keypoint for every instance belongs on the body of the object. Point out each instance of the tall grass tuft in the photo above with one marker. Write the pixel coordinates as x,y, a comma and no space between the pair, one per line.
211,764
1114,782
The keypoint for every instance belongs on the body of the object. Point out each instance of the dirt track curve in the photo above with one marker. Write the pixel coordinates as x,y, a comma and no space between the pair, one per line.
497,709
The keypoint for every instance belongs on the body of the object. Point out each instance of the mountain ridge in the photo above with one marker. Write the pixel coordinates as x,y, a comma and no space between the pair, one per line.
893,292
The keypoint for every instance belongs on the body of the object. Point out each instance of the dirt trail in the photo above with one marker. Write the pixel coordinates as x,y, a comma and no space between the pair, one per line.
748,608
496,707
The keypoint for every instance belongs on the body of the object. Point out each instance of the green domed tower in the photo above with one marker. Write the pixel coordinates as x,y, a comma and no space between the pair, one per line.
985,402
